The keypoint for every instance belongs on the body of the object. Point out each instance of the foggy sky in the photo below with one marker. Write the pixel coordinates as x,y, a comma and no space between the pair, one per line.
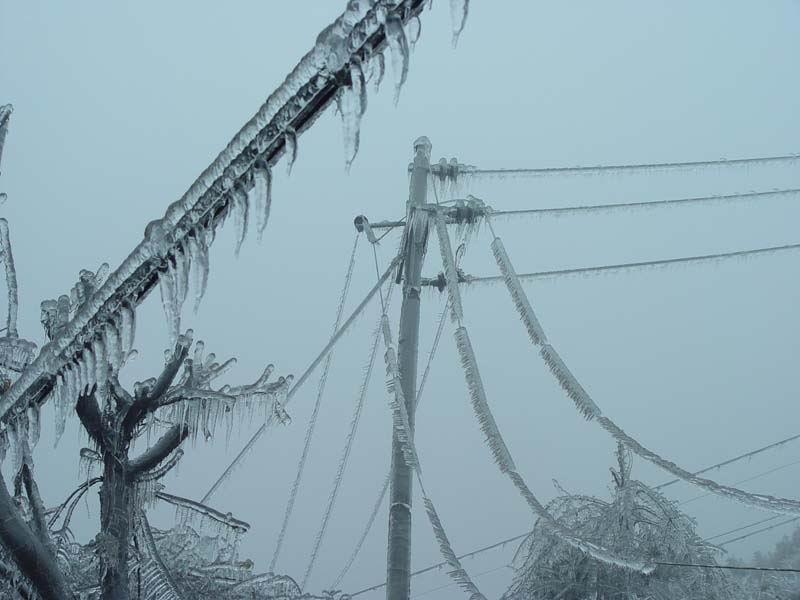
119,106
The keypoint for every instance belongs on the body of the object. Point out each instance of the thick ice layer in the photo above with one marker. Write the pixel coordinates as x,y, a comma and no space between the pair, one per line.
397,400
169,302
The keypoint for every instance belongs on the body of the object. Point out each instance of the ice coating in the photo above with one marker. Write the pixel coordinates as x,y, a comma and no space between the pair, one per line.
377,69
5,115
169,302
260,196
127,327
198,253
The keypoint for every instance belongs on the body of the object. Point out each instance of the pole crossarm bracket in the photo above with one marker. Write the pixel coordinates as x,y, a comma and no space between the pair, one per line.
295,105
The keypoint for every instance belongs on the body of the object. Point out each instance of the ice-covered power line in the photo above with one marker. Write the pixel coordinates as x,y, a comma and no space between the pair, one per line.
757,531
742,527
648,204
735,459
645,264
312,422
782,159
745,480
590,410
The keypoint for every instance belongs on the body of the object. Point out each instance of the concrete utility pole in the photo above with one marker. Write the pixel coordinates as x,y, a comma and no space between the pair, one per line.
398,576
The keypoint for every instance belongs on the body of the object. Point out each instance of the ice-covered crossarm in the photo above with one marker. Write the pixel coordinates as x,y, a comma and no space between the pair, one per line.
190,221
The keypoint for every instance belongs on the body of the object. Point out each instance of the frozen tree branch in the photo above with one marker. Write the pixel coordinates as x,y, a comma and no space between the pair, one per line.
158,452
31,556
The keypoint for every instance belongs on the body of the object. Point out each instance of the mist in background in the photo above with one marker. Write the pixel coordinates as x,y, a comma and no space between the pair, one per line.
119,106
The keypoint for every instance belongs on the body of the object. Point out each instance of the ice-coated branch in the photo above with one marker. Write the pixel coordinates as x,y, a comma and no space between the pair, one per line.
204,511
89,414
11,279
29,553
39,519
148,399
158,452
152,550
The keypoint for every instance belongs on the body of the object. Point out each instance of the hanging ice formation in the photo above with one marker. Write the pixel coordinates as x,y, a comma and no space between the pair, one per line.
450,272
290,142
352,103
398,52
591,411
377,70
414,31
459,10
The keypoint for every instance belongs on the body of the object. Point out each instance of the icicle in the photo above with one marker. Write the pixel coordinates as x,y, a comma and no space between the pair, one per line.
518,295
169,301
414,31
398,52
260,196
479,403
348,104
182,267
240,215
127,327
88,357
290,141
198,253
459,9
450,272
378,68
61,407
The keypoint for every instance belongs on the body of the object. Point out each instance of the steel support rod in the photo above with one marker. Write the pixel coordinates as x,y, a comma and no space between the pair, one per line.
398,576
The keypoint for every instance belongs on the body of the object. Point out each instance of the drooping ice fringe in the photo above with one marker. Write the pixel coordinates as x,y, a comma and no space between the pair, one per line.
479,403
459,9
518,295
591,411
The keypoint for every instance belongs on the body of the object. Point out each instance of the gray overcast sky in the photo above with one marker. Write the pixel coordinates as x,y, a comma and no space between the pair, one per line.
120,105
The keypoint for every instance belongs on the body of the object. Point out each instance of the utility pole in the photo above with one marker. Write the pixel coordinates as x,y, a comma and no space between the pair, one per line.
398,576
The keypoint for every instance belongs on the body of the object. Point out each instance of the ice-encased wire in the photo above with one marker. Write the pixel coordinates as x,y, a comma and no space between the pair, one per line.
315,413
591,411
